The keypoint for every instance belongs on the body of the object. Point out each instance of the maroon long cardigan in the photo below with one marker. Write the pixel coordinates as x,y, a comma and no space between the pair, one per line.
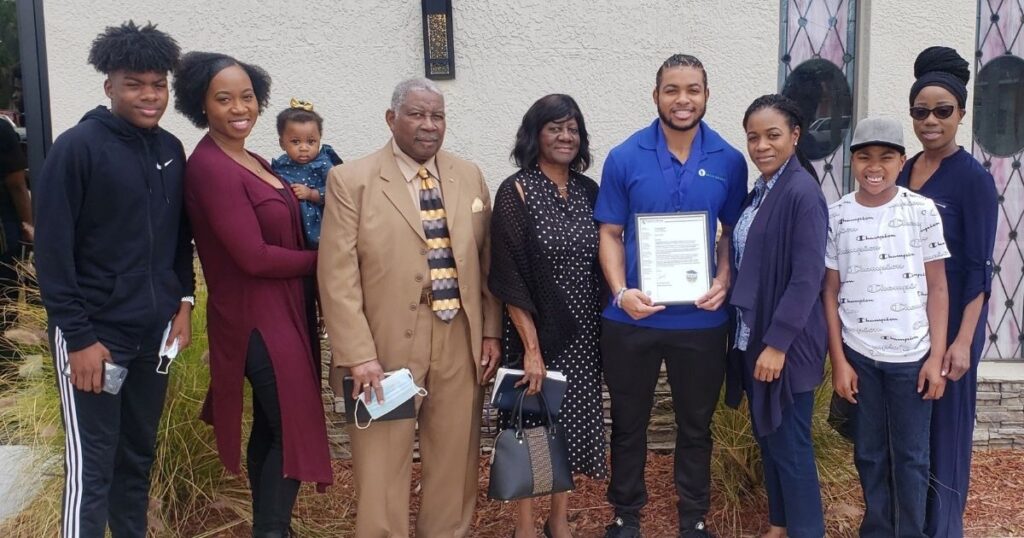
250,243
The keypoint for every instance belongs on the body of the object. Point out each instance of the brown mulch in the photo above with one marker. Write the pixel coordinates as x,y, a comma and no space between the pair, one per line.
995,507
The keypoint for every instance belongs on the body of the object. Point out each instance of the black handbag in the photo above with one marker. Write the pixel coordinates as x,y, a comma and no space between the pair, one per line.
842,416
529,462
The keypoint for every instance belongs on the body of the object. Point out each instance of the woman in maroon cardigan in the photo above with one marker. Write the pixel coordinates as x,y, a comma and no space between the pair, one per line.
249,237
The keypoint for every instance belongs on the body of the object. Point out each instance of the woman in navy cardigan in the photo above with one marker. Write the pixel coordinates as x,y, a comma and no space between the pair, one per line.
778,356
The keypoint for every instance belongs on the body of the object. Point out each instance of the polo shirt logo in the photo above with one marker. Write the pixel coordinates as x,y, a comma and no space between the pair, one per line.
703,172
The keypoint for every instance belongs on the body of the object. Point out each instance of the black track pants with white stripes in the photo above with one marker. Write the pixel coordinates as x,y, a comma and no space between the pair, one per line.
110,444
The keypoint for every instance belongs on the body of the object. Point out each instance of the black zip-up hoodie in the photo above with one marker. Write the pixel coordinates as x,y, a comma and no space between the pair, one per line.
113,249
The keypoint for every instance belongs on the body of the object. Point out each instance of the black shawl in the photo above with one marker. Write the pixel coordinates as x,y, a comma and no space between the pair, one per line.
520,275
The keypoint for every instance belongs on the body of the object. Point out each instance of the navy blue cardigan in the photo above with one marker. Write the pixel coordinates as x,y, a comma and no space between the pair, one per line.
778,292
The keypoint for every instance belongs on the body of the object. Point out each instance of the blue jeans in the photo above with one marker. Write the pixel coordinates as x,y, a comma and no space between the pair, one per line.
790,474
890,446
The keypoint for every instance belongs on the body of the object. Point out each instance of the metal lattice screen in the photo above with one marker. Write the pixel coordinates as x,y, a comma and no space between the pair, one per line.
999,115
817,69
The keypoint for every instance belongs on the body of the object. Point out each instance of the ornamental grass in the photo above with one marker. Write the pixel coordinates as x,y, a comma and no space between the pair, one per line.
189,485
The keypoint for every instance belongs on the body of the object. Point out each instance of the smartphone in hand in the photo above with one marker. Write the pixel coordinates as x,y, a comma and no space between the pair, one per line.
113,376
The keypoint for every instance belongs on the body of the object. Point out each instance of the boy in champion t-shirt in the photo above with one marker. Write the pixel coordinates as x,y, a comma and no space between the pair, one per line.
886,303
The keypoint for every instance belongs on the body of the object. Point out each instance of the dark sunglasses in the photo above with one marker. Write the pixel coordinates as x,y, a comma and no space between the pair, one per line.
941,112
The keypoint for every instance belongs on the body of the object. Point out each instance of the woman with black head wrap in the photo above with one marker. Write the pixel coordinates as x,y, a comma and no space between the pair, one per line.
965,195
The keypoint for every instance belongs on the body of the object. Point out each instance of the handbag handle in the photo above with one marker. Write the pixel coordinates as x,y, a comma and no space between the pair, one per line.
549,421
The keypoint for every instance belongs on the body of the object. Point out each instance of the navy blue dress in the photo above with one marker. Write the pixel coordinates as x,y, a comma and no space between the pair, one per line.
965,195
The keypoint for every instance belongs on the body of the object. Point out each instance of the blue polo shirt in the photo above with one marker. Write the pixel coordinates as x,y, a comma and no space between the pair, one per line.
642,176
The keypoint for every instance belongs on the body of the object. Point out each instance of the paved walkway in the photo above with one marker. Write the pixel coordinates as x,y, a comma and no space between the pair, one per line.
17,481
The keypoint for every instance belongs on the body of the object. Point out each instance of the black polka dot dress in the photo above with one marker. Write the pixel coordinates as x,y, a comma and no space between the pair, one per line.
565,230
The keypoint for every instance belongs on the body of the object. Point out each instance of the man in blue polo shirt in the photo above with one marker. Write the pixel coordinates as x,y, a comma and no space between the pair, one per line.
676,164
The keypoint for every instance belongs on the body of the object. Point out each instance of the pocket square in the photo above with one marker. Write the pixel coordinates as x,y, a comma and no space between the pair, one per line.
478,205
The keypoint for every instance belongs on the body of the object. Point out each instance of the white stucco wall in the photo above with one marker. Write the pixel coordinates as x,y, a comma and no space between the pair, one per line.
346,56
508,54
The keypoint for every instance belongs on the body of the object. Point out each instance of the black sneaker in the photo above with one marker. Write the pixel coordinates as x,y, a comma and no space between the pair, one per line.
697,529
623,528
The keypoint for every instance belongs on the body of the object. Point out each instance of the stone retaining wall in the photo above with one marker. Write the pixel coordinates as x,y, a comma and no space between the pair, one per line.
1000,414
661,433
1000,421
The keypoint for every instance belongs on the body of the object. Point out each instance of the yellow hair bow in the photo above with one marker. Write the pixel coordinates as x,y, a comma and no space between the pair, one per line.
304,105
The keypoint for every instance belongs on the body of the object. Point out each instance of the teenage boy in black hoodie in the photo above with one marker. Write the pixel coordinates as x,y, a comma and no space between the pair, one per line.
114,259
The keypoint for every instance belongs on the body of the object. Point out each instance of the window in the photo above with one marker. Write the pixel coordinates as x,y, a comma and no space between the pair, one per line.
999,145
823,93
817,70
999,106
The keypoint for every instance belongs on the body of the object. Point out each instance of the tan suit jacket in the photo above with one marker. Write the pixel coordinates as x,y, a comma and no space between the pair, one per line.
373,257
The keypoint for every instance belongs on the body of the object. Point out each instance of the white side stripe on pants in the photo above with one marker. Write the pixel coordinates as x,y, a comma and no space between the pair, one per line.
72,441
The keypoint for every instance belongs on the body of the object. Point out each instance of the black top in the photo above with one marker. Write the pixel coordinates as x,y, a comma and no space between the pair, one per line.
544,260
12,159
113,250
521,275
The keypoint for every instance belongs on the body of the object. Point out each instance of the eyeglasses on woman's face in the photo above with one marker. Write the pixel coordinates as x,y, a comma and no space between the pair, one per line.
941,112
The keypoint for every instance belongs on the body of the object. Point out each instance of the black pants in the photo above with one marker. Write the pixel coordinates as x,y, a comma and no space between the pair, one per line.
273,495
109,444
695,365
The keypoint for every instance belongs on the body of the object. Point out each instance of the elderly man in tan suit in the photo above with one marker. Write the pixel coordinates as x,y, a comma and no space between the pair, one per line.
404,252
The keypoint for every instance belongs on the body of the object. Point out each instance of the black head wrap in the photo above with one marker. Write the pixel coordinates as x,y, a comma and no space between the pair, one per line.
943,67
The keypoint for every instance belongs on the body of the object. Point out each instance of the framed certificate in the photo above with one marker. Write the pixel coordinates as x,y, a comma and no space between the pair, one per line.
673,256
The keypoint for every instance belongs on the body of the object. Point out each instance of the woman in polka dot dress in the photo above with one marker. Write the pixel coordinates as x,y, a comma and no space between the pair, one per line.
544,267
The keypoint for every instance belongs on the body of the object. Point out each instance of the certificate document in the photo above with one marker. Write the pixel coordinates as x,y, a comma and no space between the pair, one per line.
673,256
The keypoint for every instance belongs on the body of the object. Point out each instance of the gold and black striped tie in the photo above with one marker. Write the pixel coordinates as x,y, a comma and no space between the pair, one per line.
444,279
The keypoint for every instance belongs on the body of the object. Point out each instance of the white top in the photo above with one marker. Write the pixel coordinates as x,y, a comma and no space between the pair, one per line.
880,254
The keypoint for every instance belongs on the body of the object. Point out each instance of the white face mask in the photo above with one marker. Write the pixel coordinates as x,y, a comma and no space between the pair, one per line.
398,388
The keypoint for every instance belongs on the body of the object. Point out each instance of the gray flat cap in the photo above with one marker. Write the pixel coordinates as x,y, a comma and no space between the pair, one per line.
878,132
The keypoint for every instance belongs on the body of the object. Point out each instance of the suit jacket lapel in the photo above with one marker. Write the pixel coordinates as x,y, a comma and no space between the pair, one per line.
397,191
450,188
